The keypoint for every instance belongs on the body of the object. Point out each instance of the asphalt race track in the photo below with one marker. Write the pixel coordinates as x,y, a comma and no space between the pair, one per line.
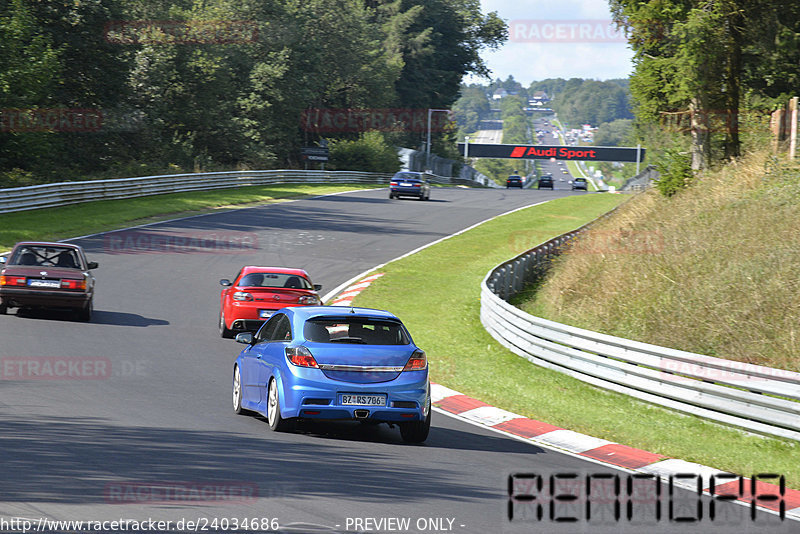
141,426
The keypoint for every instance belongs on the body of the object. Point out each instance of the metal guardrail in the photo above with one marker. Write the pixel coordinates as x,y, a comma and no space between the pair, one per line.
65,193
641,181
752,397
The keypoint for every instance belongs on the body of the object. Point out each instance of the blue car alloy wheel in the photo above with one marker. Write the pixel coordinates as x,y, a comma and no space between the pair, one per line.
334,363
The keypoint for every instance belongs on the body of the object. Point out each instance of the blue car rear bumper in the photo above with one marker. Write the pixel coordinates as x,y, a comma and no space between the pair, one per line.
308,393
407,191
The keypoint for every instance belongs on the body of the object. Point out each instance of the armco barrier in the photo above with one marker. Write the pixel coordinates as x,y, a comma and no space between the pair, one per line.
62,194
752,397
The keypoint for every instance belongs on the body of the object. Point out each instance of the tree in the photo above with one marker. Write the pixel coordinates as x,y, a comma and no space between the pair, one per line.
370,152
29,75
614,133
699,57
471,107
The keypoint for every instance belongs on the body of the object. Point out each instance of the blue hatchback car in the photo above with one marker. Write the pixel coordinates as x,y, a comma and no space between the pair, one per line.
334,362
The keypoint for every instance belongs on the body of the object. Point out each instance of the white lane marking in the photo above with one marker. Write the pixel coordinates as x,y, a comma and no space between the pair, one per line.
674,466
489,415
439,392
335,291
572,441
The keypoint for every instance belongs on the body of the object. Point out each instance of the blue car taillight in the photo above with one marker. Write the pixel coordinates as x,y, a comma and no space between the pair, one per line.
301,357
417,362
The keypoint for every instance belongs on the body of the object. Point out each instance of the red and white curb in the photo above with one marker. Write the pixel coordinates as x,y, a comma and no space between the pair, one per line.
607,452
345,298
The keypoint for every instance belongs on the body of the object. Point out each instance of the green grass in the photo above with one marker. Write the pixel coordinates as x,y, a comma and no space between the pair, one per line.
440,305
92,217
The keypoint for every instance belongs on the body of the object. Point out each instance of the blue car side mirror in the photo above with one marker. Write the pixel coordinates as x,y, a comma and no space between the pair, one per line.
245,338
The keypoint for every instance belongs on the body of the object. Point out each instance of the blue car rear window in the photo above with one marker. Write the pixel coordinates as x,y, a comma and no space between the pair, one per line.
407,176
362,331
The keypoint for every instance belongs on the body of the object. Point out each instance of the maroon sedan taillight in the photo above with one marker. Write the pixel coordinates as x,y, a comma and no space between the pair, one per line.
12,280
73,284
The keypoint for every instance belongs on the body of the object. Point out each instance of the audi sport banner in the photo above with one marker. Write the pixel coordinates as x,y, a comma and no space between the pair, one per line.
586,153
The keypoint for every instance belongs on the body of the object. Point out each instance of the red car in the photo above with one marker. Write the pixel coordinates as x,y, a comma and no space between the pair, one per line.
47,275
258,292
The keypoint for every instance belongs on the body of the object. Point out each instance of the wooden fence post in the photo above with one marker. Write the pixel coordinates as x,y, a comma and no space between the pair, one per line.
793,127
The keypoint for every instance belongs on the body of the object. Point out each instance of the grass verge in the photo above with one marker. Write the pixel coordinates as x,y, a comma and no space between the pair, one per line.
94,217
436,292
717,263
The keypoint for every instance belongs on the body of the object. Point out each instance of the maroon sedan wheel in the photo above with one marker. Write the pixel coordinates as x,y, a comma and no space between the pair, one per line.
85,314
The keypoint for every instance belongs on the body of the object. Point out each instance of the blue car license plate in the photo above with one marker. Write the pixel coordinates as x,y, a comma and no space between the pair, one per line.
363,400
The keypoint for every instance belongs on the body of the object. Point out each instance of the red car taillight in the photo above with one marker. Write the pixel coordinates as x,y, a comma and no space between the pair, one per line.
308,300
73,284
12,280
301,357
417,362
242,295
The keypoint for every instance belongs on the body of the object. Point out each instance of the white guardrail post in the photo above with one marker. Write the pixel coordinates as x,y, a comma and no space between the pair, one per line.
752,397
65,193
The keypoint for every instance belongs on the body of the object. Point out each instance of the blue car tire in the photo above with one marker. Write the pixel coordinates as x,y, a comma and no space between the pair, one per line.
276,422
416,431
237,392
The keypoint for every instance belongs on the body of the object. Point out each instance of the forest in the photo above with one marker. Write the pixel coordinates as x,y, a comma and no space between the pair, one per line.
577,101
709,73
110,88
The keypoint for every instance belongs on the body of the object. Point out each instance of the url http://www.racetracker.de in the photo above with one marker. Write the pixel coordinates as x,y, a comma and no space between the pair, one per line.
198,524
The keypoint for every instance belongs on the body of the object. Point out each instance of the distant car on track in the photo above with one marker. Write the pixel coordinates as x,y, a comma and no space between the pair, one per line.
258,292
580,184
545,182
47,275
335,363
410,184
514,181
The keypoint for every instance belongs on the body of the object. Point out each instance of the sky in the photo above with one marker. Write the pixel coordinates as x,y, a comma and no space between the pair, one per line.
557,39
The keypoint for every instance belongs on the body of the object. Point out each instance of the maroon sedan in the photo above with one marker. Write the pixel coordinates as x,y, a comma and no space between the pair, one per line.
47,275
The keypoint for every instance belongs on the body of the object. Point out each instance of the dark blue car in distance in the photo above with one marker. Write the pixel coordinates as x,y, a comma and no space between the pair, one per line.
334,362
410,184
